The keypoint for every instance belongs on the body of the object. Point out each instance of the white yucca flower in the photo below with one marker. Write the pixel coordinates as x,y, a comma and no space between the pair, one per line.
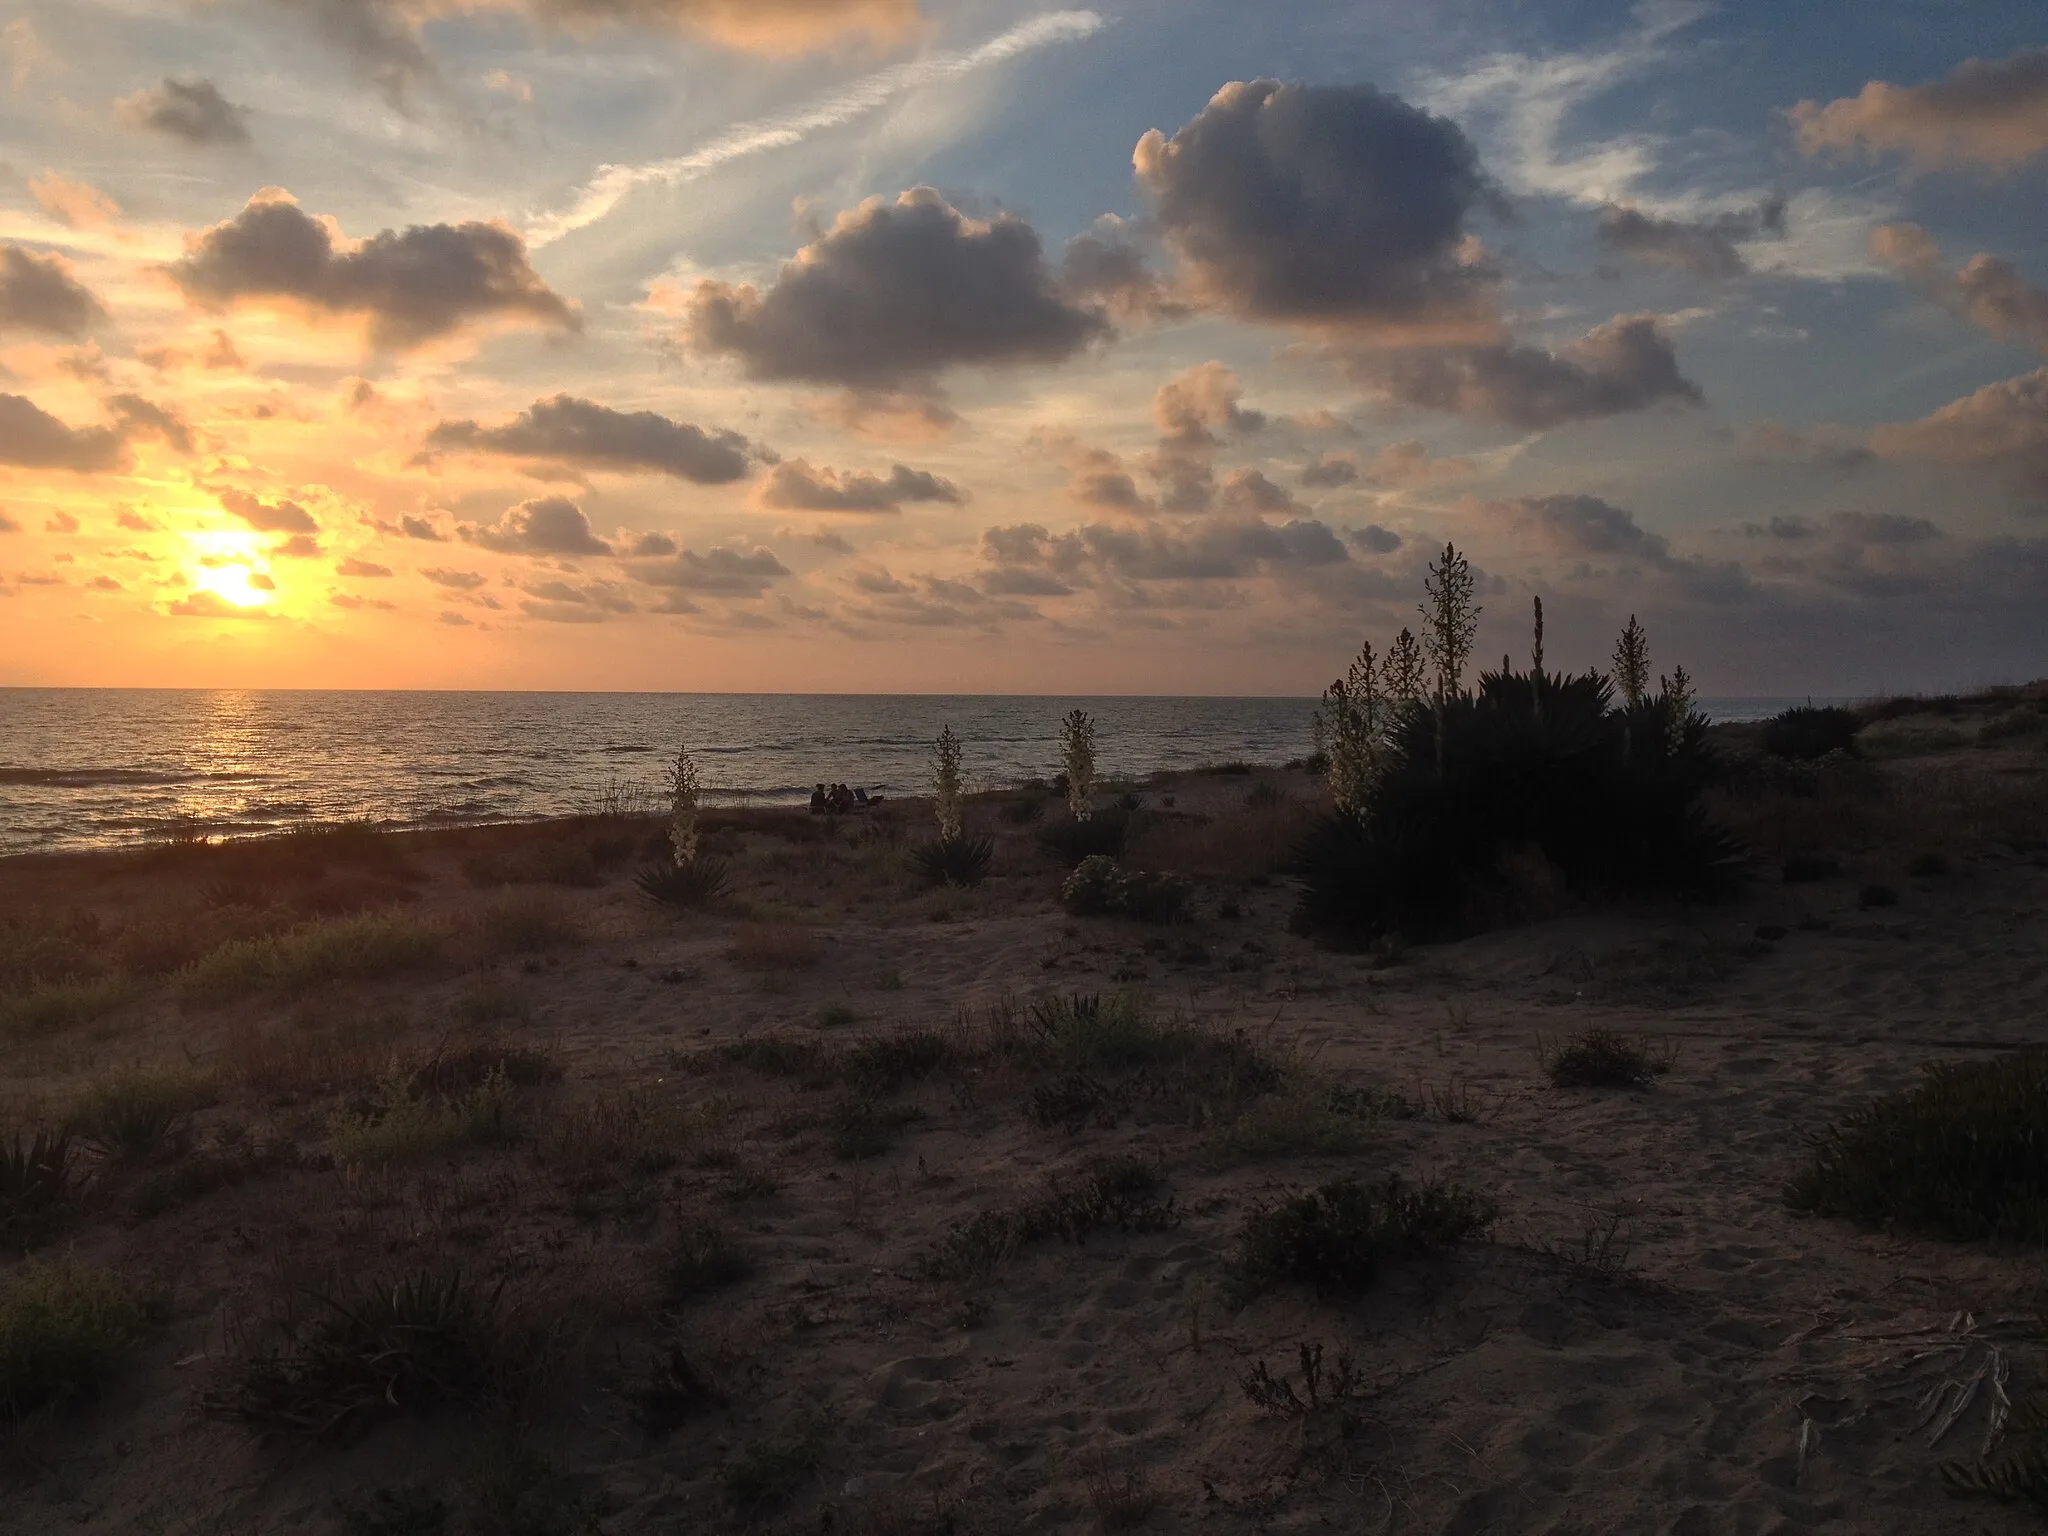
1678,692
1077,757
682,803
946,783
1352,726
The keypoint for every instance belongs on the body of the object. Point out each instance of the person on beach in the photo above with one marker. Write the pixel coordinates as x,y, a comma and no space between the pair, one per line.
818,801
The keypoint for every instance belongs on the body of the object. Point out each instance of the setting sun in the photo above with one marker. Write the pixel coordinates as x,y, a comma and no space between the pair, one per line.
231,567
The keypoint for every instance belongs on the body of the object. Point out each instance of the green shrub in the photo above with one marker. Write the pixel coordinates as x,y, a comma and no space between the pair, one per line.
66,1328
1606,799
1600,1058
403,1123
700,882
1339,1237
1099,885
1962,1155
1806,732
953,860
363,947
345,1359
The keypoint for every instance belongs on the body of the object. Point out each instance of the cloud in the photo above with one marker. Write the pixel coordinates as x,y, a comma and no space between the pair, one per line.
8,524
1986,290
218,354
1627,364
137,415
1706,248
719,572
412,286
355,567
613,183
894,294
561,602
2000,431
461,581
300,546
74,204
1990,112
211,605
1199,408
546,525
1219,548
888,416
61,522
419,528
796,487
38,293
268,517
1404,463
31,438
1771,442
581,432
351,602
1585,526
1107,271
1375,540
1097,478
192,110
1321,204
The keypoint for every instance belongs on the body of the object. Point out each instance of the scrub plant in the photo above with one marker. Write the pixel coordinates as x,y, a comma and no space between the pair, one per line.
1077,759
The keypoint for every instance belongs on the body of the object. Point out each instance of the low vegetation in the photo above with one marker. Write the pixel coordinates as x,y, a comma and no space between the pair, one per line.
1962,1155
961,860
1099,885
1126,1194
1340,1237
66,1329
39,1176
139,1116
1600,1058
1809,732
363,947
407,1120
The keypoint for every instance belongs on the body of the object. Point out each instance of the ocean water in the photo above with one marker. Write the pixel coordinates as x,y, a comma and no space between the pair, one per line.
88,767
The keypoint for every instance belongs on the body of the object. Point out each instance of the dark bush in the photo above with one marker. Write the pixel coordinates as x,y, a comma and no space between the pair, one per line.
1339,1237
1530,769
1599,1058
1808,732
1961,1155
953,860
698,883
1100,886
37,1178
1071,841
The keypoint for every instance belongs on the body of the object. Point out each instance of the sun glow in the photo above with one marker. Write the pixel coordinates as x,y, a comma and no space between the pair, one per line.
231,566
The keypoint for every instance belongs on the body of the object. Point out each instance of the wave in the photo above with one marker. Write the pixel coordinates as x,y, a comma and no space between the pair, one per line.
93,778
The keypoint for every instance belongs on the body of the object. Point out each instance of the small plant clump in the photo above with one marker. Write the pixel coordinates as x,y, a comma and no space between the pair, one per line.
703,1260
1323,1389
1961,1155
1339,1237
407,1122
1124,1193
38,1176
139,1116
1600,1058
1101,886
66,1328
1102,834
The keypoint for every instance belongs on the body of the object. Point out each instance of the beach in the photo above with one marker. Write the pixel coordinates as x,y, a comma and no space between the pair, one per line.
821,1208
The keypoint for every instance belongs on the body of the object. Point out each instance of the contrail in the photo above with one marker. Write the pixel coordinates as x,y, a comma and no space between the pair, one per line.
610,185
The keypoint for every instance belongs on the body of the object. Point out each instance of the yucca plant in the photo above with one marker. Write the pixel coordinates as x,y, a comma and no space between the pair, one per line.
952,858
36,1178
688,879
1077,760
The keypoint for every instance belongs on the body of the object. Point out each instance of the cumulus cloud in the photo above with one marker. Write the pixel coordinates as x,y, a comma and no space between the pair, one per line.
1624,365
545,525
1322,204
267,517
796,487
357,567
1986,290
894,294
1105,269
562,602
567,430
1990,112
192,110
31,438
38,293
2000,431
1199,409
1404,463
61,522
419,528
1708,248
8,524
351,602
718,572
1771,442
410,286
461,581
1375,540
1219,548
1587,529
300,546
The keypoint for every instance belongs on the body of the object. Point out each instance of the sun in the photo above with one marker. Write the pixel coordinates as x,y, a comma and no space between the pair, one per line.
232,567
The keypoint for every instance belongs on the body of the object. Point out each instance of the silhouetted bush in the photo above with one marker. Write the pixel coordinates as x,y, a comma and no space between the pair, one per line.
1608,798
698,883
1807,732
1961,1155
953,860
1071,841
1599,1058
1339,1237
1101,886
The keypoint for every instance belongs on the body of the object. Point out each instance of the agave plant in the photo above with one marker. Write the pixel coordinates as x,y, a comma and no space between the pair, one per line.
698,883
956,860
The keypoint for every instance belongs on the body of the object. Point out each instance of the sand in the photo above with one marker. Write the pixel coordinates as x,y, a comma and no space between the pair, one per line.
1649,1341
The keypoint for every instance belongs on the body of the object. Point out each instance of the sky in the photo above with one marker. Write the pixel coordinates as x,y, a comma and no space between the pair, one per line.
984,346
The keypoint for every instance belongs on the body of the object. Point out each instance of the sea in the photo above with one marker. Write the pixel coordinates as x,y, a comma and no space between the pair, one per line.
98,768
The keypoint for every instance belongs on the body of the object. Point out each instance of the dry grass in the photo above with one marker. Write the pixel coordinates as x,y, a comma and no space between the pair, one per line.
310,1056
1895,808
1238,843
53,1007
529,923
770,947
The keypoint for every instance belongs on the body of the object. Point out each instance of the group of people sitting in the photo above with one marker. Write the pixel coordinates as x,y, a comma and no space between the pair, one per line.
837,800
